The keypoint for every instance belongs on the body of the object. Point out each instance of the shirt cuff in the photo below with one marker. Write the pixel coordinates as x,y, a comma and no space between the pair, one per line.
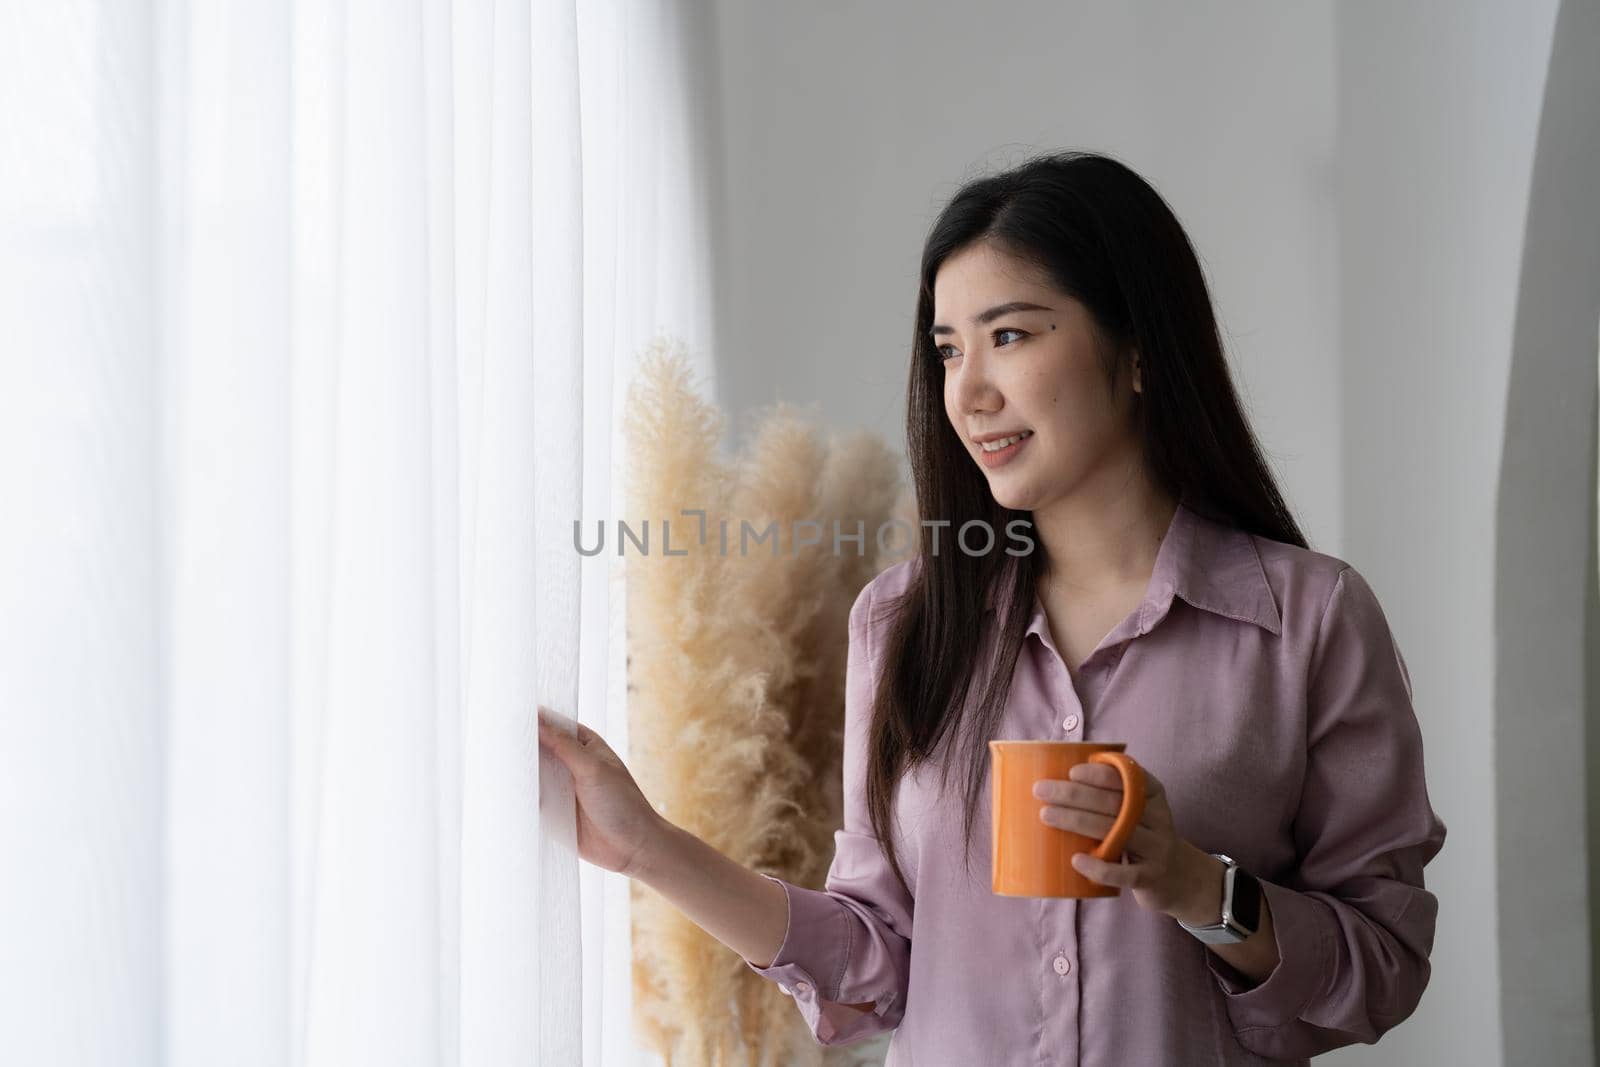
810,964
1301,927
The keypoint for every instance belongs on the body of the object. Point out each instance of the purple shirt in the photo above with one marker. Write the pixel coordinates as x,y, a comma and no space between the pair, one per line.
1261,684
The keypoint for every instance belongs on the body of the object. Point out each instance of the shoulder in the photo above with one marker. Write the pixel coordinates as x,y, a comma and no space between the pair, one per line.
880,595
1290,568
1318,592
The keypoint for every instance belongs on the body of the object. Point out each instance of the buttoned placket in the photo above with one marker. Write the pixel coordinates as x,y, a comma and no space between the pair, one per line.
1059,920
1056,926
1091,682
1056,920
1059,1034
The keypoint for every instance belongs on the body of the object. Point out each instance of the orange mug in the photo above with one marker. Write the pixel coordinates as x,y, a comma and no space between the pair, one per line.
1033,858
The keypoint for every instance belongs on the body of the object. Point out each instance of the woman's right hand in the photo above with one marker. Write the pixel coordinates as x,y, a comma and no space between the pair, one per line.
619,831
616,824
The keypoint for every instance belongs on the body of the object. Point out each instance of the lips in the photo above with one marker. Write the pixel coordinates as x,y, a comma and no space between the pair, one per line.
1005,454
996,444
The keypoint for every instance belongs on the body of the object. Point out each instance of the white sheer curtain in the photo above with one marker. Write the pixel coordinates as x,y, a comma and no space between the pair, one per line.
314,320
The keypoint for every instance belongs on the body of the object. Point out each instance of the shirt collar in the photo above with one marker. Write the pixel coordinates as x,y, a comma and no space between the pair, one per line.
1208,565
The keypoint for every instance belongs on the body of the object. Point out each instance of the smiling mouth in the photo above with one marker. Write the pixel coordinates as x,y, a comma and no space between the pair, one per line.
998,453
1004,443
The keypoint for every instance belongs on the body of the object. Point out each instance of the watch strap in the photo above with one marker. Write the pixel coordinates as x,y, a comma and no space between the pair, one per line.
1227,929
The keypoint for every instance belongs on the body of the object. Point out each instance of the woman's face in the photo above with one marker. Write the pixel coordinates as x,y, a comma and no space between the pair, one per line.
1034,371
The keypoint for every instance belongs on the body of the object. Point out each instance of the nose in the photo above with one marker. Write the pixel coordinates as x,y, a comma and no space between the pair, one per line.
973,389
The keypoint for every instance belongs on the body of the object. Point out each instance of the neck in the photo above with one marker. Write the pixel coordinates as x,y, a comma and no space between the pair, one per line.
1099,538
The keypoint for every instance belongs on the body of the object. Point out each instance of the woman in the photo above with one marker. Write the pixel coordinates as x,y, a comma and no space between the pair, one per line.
1067,370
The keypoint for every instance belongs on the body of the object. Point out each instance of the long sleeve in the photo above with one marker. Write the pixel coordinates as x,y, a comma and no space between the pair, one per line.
850,942
1354,923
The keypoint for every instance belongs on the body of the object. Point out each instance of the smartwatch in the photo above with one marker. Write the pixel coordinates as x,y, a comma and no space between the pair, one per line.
1241,907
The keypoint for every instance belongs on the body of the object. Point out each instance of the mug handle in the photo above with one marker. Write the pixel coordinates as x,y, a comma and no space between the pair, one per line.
1110,848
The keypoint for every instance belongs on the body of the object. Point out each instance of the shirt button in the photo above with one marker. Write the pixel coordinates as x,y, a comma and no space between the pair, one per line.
1070,722
1063,965
802,987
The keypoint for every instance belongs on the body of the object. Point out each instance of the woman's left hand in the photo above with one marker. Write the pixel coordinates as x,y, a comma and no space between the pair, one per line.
1158,866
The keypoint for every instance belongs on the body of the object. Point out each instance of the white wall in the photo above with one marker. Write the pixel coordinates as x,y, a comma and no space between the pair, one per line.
844,128
1439,108
1356,178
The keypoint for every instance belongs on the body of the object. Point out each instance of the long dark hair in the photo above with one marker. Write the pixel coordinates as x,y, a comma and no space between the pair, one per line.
1102,235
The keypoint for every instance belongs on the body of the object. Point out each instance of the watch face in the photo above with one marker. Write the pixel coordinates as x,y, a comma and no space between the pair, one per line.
1246,900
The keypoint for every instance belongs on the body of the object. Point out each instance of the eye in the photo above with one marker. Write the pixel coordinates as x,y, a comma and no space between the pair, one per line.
943,355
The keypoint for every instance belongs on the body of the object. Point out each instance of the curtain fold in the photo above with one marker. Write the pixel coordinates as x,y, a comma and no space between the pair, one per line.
320,317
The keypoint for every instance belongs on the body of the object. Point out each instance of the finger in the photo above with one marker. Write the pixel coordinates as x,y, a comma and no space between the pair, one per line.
1098,775
553,722
591,740
556,741
1123,875
1099,789
1087,823
575,742
1078,795
1105,776
1143,841
551,717
559,733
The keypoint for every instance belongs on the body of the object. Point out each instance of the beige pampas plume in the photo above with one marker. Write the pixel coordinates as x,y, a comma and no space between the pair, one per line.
736,678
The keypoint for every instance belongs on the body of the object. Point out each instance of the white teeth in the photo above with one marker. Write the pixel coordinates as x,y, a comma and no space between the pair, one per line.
995,446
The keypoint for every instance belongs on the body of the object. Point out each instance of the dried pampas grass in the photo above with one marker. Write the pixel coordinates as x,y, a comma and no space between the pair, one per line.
736,679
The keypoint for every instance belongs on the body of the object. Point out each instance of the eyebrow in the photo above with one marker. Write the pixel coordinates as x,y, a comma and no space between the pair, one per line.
984,317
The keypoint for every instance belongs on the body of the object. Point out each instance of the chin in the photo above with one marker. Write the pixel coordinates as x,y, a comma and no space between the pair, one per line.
1017,498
